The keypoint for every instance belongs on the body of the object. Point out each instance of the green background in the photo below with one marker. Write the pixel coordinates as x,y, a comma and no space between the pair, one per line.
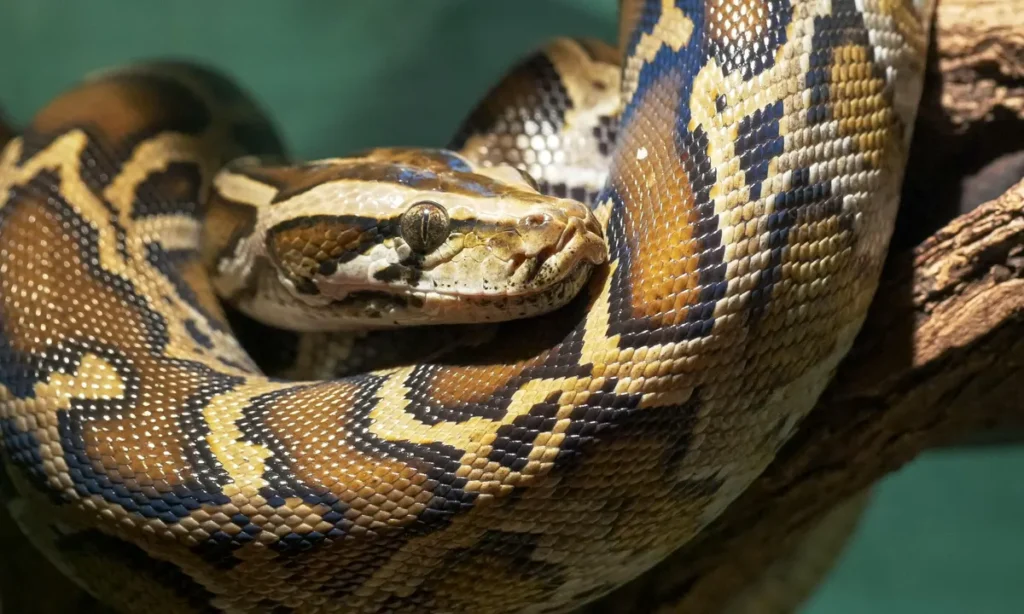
945,535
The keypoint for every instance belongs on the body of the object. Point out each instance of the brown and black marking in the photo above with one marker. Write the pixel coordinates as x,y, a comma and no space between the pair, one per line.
532,92
544,468
292,181
123,333
316,245
536,101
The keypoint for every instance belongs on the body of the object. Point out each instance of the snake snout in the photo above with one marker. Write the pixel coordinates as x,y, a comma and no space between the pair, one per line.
579,213
553,220
554,242
581,234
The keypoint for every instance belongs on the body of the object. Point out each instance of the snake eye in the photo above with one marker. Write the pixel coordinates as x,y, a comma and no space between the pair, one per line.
424,226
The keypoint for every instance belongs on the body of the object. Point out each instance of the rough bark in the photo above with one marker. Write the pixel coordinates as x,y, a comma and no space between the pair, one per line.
941,355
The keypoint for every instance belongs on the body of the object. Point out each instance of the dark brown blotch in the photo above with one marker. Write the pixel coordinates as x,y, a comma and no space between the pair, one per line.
174,190
398,272
302,246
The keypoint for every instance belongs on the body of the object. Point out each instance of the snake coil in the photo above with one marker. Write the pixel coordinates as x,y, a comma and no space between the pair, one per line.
755,151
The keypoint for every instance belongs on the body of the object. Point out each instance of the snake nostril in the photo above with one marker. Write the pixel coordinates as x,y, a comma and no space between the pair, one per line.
536,219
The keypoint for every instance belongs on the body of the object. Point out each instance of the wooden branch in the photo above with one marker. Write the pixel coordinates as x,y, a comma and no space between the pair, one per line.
942,352
979,47
970,117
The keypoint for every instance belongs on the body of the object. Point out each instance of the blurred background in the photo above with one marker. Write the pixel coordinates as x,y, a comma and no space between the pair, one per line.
944,535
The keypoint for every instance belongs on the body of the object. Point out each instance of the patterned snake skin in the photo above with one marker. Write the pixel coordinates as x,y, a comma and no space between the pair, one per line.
755,157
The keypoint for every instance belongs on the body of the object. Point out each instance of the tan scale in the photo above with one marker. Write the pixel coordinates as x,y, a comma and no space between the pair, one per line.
533,469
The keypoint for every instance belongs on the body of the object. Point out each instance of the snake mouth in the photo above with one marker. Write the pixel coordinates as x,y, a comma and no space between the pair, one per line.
418,299
579,242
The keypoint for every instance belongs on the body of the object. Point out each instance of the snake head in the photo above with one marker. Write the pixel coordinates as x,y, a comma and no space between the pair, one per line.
398,237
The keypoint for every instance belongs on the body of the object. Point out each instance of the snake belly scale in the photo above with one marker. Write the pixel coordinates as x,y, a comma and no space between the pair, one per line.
747,204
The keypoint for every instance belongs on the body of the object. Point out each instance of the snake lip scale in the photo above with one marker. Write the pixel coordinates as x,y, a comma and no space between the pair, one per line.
736,168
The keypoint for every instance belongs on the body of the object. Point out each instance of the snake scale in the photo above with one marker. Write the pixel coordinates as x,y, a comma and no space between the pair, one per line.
744,161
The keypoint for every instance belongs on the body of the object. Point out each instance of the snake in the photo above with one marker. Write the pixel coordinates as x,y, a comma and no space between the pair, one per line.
740,165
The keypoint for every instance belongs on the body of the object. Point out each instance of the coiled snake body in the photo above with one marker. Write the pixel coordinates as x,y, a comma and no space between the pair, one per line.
754,154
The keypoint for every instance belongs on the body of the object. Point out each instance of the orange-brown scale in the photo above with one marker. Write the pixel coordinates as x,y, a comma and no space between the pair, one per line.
655,191
858,101
457,385
86,311
306,246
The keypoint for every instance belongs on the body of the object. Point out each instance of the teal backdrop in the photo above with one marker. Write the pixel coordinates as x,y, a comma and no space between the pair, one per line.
945,535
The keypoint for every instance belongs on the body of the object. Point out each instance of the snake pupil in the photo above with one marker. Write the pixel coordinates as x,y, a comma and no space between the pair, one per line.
424,226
